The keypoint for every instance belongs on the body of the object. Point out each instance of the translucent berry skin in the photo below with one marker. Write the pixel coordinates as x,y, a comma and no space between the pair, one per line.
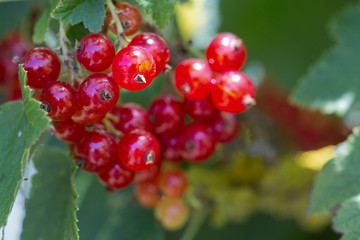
173,183
202,109
192,78
226,51
166,115
197,142
138,150
95,152
233,92
134,68
149,174
147,193
95,52
172,213
84,118
116,177
12,45
98,93
69,131
42,66
59,100
225,127
171,148
131,116
156,46
129,16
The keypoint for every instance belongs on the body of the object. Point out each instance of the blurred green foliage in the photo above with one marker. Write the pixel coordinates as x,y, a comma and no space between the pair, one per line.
286,36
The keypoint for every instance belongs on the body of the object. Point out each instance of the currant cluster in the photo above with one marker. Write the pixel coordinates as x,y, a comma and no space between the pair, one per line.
231,90
127,143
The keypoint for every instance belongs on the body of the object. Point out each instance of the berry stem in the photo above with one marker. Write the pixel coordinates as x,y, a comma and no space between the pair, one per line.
115,17
197,219
110,127
66,53
112,117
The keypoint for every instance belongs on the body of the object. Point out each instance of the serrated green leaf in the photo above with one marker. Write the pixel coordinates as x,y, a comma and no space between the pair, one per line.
340,177
161,11
90,12
347,220
35,118
21,124
51,207
333,84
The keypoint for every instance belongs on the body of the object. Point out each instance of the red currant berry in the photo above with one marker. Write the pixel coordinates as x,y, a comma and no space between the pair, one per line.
166,115
95,152
226,51
69,131
202,109
173,213
192,78
98,93
13,45
197,142
134,68
116,177
233,92
95,52
149,174
173,183
2,71
58,100
84,118
42,66
156,46
138,150
225,127
129,16
171,148
147,193
131,116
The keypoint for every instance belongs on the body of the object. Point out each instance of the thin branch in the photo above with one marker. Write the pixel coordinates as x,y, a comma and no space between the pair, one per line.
68,61
115,17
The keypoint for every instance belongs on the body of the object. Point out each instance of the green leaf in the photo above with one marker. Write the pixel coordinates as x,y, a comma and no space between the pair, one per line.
340,177
90,12
42,23
51,208
77,32
347,220
332,85
21,124
35,118
41,26
161,11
